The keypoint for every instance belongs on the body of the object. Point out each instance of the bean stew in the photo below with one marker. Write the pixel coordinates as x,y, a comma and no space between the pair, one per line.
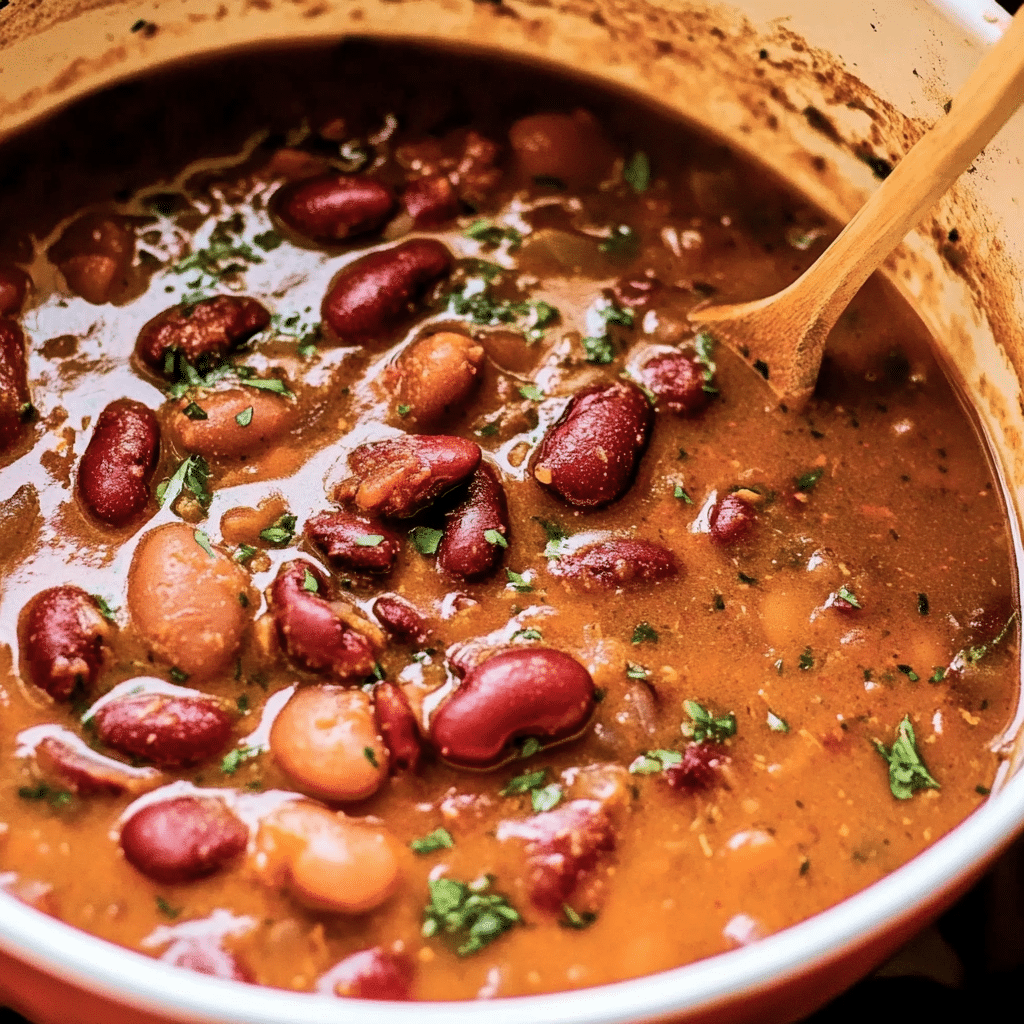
400,598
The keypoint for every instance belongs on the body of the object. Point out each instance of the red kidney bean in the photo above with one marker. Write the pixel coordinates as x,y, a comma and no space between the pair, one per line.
353,542
333,207
699,769
536,692
570,147
430,201
561,845
95,256
731,519
372,293
617,563
435,376
15,402
401,618
370,974
397,725
678,381
464,551
183,839
169,730
118,464
401,476
212,327
65,634
205,955
15,285
85,773
321,634
590,456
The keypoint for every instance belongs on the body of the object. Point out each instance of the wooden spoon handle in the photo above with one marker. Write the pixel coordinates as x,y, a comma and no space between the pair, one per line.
984,104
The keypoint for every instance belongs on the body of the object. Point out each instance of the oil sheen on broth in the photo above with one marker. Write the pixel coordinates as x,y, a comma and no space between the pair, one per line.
453,621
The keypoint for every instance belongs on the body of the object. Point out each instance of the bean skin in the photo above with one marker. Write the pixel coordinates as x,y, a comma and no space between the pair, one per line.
397,724
95,256
678,381
185,604
172,731
435,376
321,634
325,740
401,476
326,860
221,435
731,520
65,640
211,328
370,974
537,692
464,551
69,764
183,839
118,464
431,201
345,539
401,619
617,563
15,400
15,286
590,456
372,294
333,207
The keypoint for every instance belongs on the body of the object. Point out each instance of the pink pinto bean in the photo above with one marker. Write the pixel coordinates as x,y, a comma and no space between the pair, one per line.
238,421
95,256
212,328
465,551
68,763
431,201
370,974
590,456
562,846
183,839
354,543
321,634
15,402
118,464
397,725
678,381
65,639
570,147
536,692
170,730
332,207
435,376
731,519
636,292
401,476
401,618
15,285
617,563
371,294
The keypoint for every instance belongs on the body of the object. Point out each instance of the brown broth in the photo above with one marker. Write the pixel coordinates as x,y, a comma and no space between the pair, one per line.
905,506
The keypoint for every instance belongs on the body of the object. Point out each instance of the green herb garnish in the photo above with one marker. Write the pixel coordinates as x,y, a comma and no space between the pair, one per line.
467,911
281,532
707,726
644,633
425,539
439,839
907,772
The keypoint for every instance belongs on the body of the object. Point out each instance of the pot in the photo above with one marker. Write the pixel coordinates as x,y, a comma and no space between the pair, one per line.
828,96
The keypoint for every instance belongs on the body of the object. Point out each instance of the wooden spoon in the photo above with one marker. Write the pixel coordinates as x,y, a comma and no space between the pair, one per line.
783,336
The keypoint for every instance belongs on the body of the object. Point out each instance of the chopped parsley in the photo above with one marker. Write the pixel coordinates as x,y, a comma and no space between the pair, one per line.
520,784
518,582
574,919
56,798
806,660
371,756
234,759
532,317
495,538
707,726
750,581
614,314
192,476
204,542
527,634
806,481
680,492
600,351
622,243
268,241
177,675
469,912
704,345
777,724
244,418
105,610
369,540
908,672
542,797
532,392
635,671
281,532
489,233
907,771
403,410
194,411
637,172
310,582
644,633
426,539
530,746
972,655
244,552
166,909
655,761
923,607
556,536
847,595
439,839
